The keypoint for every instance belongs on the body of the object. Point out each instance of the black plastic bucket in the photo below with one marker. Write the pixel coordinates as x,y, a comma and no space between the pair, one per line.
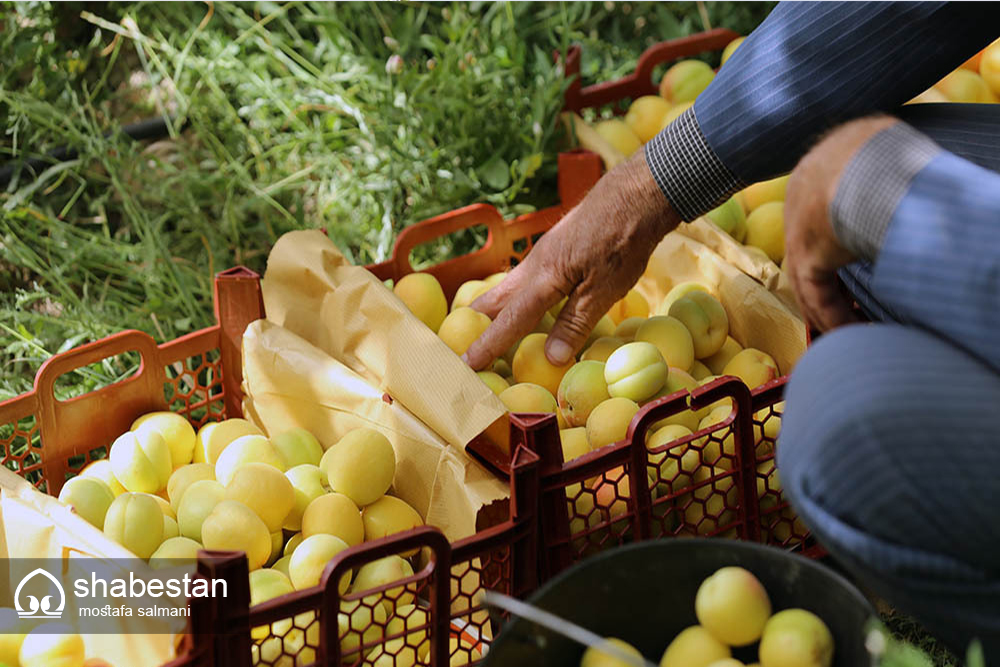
644,593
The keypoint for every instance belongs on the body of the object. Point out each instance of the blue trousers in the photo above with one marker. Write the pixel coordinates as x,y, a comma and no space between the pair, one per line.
890,443
890,452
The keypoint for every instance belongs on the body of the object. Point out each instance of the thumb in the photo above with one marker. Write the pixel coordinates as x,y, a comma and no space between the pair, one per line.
572,328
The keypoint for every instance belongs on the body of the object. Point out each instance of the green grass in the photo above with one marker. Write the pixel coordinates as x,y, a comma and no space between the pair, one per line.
284,118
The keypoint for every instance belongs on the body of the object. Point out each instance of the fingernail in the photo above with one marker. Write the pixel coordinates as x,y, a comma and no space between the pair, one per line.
559,351
465,358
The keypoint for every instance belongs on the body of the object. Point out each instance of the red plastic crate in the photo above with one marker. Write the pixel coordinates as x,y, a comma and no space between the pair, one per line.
777,524
199,375
620,92
743,500
507,241
48,440
725,503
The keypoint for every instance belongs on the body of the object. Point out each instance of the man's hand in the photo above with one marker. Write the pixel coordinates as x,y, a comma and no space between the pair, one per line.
812,252
593,256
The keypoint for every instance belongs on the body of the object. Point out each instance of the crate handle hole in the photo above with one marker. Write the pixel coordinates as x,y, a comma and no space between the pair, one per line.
447,246
98,375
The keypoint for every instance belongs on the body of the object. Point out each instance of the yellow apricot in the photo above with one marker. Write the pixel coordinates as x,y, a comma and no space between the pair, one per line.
609,421
423,296
293,541
733,606
628,327
671,338
717,362
685,80
135,521
574,442
183,477
384,571
244,450
174,549
528,397
361,465
468,292
306,565
595,657
141,461
766,230
307,485
632,304
198,502
645,116
965,86
582,388
389,515
496,383
175,430
232,526
753,367
101,469
214,437
462,327
674,113
677,291
730,49
334,514
617,133
89,497
265,490
604,328
694,647
700,371
766,191
705,319
531,365
796,638
602,348
297,446
635,371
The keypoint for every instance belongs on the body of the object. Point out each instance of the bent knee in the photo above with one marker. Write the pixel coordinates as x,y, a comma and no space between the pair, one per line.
874,414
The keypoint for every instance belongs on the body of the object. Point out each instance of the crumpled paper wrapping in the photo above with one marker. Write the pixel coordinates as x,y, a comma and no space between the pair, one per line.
313,291
761,269
338,351
290,382
757,317
35,525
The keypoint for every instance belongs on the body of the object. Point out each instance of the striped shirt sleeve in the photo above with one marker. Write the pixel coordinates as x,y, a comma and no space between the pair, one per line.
689,173
808,67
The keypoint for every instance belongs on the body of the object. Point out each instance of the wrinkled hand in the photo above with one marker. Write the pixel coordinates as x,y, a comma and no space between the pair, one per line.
812,251
593,256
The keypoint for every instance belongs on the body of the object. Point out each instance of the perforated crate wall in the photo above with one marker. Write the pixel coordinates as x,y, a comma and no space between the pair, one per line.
47,440
715,482
433,617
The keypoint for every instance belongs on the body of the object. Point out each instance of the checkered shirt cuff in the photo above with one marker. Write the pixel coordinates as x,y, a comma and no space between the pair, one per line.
873,184
691,176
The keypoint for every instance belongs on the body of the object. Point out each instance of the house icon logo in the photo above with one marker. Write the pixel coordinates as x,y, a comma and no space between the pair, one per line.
31,606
